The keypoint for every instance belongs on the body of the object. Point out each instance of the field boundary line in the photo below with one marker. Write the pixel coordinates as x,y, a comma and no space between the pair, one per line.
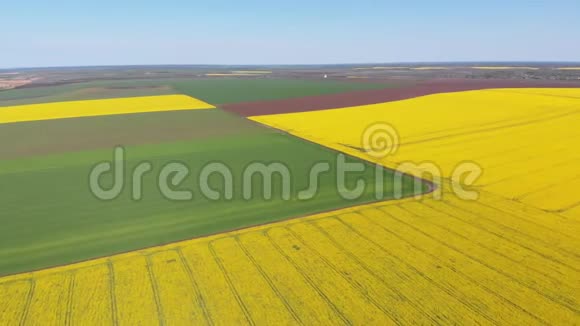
459,235
498,125
442,287
484,264
466,277
29,297
306,277
71,287
499,197
546,187
155,289
112,294
365,266
217,259
87,263
268,280
195,286
517,91
516,175
355,286
338,272
533,239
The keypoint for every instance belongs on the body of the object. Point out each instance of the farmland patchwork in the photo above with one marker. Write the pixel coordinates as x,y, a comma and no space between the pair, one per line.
509,257
52,216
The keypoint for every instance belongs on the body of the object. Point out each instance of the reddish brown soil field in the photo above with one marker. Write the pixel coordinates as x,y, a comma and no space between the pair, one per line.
324,102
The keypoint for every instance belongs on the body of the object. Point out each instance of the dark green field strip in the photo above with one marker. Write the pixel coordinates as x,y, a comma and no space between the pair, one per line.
79,134
215,91
223,91
49,217
83,91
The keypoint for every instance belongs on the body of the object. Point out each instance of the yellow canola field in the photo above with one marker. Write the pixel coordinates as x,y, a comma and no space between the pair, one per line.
525,140
89,108
410,262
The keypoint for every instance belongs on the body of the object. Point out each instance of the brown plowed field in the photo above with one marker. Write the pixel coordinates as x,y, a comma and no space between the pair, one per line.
324,102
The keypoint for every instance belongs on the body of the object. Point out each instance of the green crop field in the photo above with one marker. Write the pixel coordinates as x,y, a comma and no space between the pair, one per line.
216,91
50,217
222,91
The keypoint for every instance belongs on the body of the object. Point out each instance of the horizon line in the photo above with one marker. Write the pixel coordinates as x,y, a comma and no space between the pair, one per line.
199,65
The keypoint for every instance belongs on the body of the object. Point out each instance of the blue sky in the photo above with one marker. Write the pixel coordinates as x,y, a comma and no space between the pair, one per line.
70,33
